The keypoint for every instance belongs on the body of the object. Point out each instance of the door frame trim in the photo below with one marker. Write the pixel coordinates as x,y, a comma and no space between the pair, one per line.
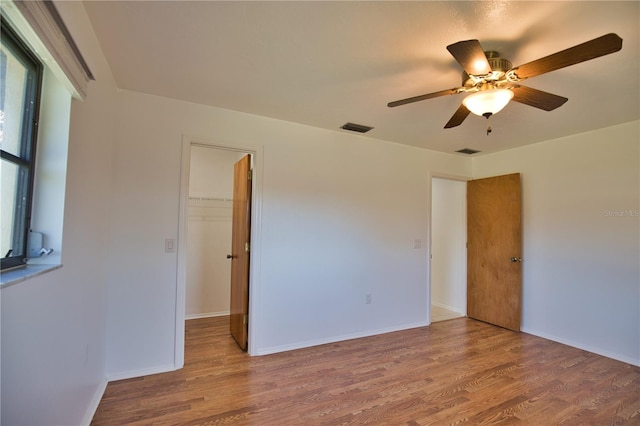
257,153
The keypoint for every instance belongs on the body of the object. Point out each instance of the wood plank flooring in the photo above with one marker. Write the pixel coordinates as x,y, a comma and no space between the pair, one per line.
438,313
453,372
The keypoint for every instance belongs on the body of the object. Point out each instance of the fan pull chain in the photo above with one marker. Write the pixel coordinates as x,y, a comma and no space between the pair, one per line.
488,124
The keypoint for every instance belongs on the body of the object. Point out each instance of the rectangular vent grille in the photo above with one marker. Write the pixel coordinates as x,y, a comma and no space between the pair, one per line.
356,127
467,151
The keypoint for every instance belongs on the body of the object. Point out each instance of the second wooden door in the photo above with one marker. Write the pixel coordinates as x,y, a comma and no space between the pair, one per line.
494,238
240,251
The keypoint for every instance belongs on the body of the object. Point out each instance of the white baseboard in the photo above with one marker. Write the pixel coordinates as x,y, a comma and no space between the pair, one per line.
588,348
317,342
207,315
447,307
95,401
142,372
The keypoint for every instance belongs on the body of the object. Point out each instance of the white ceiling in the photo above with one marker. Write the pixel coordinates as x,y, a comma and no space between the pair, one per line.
327,63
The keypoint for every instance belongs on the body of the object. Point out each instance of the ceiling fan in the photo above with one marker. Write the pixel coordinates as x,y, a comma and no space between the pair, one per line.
492,81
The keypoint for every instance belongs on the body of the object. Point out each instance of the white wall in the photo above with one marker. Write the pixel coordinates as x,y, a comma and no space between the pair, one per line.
208,289
340,213
581,256
448,244
211,173
51,158
53,326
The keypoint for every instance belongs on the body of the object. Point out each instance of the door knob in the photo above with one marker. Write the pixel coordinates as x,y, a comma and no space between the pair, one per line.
230,256
515,259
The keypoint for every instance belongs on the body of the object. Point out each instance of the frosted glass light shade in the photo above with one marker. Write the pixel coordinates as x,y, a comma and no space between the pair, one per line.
488,101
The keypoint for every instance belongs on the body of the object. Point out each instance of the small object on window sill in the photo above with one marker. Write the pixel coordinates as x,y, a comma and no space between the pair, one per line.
36,248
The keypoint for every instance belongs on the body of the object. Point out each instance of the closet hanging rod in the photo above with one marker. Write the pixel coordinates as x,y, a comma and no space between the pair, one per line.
210,199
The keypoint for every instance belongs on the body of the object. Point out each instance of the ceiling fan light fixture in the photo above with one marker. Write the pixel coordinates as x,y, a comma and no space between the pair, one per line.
488,102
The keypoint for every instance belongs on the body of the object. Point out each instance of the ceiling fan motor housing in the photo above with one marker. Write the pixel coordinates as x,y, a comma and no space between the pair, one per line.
499,67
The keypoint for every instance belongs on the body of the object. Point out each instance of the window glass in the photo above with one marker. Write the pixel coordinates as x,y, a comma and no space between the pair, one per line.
12,97
20,81
13,180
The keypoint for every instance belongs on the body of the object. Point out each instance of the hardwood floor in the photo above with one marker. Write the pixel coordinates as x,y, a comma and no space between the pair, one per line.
453,372
439,313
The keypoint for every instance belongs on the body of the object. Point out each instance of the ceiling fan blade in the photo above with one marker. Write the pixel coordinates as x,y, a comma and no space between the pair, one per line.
422,97
458,117
592,49
470,55
537,98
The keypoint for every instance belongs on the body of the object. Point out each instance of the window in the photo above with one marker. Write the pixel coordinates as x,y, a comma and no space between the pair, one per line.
20,86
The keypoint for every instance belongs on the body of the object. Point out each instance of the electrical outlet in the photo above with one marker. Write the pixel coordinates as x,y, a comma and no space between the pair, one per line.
367,298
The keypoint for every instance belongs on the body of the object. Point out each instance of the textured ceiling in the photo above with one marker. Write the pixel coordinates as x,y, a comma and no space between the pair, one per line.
327,63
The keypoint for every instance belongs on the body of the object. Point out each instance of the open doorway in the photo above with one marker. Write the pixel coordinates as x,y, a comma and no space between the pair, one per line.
448,249
209,221
211,196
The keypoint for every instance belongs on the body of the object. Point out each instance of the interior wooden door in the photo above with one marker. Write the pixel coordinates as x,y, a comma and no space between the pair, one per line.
494,238
240,251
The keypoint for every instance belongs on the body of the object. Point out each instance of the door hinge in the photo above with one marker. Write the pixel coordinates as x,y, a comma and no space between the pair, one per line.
250,174
247,247
245,319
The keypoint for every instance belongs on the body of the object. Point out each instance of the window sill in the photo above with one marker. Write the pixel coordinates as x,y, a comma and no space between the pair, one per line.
15,276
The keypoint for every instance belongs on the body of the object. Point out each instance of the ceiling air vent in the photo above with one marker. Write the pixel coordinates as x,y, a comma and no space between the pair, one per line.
356,127
467,151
